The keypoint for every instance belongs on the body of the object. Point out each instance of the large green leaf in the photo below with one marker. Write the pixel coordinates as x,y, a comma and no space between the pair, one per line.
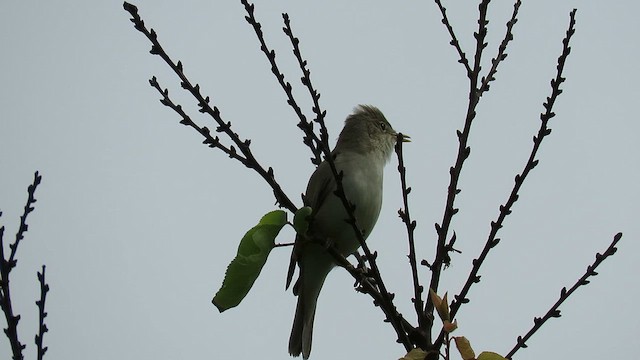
253,251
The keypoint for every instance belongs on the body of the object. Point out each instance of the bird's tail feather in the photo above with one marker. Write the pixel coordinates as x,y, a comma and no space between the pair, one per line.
302,331
312,275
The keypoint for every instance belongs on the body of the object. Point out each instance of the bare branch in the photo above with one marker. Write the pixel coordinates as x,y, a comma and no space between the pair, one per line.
310,139
42,327
454,40
411,226
502,49
223,127
554,311
442,229
212,142
6,265
323,142
505,209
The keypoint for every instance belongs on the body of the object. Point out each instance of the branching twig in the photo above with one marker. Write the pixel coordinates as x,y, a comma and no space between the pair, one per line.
502,50
204,131
454,40
310,139
554,311
6,265
315,96
519,179
223,127
442,229
42,327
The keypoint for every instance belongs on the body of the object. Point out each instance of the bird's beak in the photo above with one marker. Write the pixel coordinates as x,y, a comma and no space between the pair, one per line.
405,138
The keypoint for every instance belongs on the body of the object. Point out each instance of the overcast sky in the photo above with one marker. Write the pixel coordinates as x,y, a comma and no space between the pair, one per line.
137,221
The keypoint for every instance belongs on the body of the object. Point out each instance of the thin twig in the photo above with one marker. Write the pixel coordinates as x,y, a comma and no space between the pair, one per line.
223,127
310,139
554,311
502,50
315,96
442,229
454,40
213,142
42,327
411,226
28,208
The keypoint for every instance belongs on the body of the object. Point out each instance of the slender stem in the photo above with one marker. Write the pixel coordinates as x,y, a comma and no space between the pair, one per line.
502,50
442,229
554,311
203,102
310,139
411,226
323,142
42,327
454,40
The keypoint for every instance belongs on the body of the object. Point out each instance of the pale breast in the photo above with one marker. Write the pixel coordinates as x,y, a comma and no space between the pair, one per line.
362,183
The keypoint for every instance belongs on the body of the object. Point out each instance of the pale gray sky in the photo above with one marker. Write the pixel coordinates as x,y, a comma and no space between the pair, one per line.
137,221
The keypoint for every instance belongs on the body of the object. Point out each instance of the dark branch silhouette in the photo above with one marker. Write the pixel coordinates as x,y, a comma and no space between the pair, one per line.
42,327
442,228
247,157
505,209
7,265
405,215
554,311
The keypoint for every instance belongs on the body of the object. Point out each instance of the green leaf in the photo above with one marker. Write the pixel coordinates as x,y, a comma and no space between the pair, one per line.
253,251
488,355
464,347
301,220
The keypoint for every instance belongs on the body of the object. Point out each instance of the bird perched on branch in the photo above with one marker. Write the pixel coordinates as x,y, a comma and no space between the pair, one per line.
363,148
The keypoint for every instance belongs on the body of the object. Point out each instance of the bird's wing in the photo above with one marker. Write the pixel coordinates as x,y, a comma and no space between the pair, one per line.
321,185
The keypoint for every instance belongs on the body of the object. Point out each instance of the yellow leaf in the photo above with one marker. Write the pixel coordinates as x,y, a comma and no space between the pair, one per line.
435,298
440,304
464,347
443,309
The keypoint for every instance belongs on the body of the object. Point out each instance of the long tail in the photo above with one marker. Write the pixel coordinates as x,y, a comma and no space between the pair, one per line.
315,266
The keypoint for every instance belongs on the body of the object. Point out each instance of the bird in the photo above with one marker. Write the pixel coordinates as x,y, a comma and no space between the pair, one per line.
364,146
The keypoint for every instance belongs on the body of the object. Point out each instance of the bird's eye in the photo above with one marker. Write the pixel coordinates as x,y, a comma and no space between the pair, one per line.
383,126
